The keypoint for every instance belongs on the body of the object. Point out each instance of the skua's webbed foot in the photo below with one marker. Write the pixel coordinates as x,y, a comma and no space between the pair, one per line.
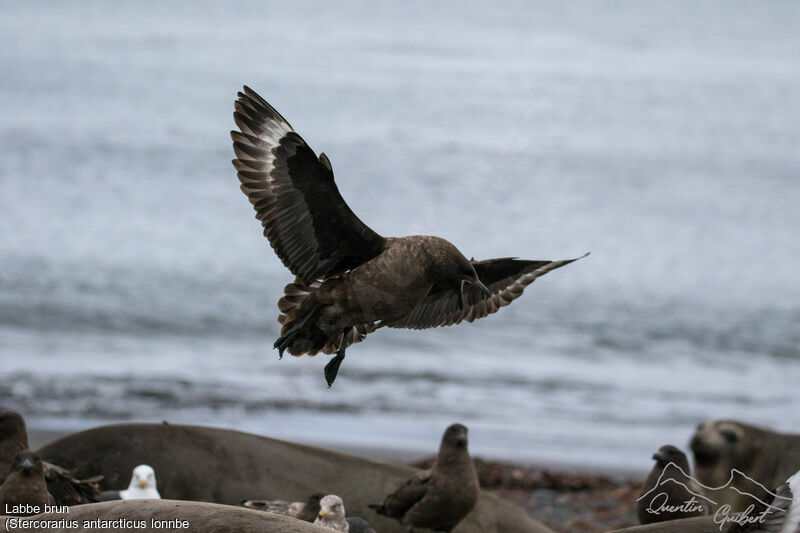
332,368
285,340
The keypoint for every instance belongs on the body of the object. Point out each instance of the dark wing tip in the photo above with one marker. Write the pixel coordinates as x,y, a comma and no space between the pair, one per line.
568,261
252,96
325,161
563,262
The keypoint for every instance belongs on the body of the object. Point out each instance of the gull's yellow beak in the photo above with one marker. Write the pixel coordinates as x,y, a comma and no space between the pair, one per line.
143,483
323,513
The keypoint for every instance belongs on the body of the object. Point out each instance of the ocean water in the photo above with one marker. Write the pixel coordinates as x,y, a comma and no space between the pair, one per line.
662,136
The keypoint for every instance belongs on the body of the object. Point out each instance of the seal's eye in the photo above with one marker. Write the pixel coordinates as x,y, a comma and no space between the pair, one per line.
730,435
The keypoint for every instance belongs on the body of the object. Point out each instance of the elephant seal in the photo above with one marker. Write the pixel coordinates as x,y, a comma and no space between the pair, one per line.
225,466
702,524
159,516
722,447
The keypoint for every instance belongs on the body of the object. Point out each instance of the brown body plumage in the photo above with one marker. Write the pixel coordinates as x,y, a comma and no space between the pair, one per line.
61,483
13,438
669,492
25,485
349,279
441,497
383,289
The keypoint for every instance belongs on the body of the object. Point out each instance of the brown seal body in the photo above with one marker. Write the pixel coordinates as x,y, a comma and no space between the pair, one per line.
723,447
201,518
223,466
703,524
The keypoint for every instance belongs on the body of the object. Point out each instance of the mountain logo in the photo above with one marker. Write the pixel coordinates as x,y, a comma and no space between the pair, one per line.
703,497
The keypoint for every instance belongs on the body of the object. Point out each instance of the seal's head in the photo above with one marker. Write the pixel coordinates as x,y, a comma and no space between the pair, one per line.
721,445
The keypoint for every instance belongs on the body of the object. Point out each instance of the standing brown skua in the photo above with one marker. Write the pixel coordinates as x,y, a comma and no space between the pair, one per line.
61,483
441,497
24,491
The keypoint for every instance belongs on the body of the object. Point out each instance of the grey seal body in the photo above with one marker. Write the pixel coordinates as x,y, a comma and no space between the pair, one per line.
266,467
196,517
